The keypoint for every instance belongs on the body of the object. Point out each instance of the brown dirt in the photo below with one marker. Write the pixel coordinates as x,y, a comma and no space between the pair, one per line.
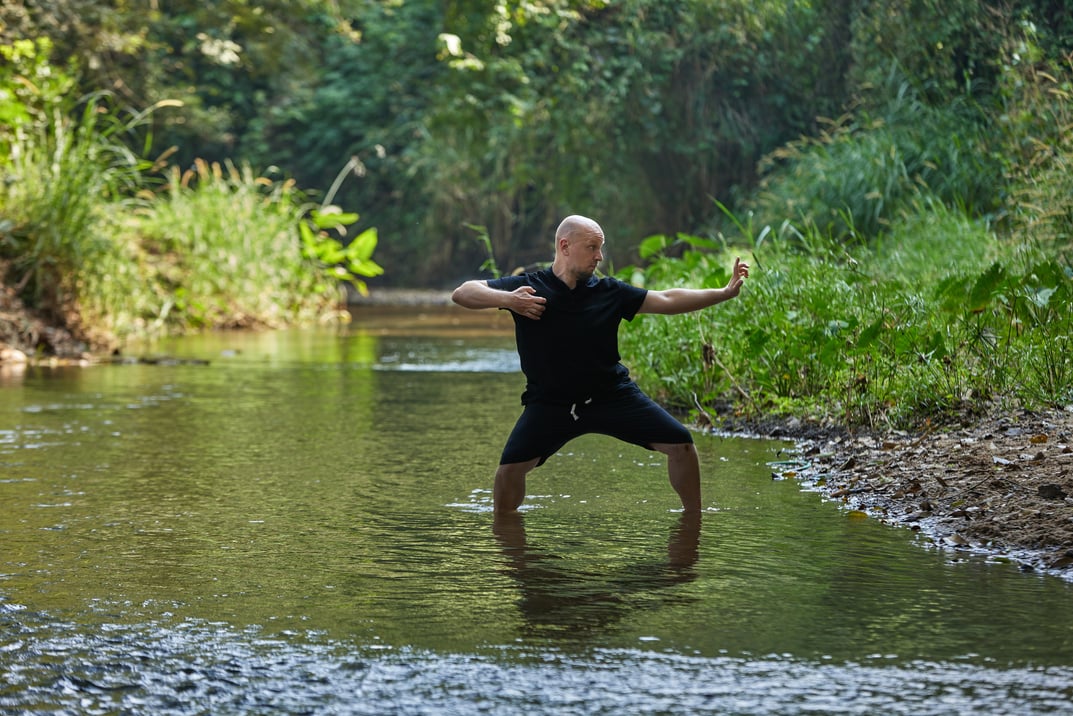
27,335
1002,486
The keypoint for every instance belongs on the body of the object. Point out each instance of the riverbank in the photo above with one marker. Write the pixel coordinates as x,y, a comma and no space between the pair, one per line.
1001,485
27,336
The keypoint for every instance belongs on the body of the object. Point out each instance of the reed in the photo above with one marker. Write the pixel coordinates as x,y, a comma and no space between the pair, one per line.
223,248
62,177
865,171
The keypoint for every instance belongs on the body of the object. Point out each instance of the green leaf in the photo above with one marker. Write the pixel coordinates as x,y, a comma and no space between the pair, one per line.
361,248
653,245
331,217
365,267
985,287
1040,296
309,239
870,334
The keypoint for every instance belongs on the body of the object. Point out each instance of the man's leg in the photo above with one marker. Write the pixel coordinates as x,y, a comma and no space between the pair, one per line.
509,489
683,469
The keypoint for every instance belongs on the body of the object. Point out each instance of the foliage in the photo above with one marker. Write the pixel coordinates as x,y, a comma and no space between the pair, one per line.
366,101
59,174
221,61
865,172
937,319
641,109
944,47
31,87
1036,124
222,245
914,156
349,262
84,240
510,114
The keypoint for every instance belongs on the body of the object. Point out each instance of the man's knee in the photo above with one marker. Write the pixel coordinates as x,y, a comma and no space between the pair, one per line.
516,470
676,450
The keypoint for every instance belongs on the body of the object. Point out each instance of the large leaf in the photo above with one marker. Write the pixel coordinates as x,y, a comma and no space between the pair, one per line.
331,217
653,245
986,287
361,248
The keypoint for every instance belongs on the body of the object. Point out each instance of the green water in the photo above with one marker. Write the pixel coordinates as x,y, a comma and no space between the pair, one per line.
303,525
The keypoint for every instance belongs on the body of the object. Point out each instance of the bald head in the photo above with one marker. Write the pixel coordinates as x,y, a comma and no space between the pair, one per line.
575,227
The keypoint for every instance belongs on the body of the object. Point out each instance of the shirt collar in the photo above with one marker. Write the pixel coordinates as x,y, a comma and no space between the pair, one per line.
562,287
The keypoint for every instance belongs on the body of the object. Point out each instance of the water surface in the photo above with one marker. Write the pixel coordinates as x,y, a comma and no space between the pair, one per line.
304,525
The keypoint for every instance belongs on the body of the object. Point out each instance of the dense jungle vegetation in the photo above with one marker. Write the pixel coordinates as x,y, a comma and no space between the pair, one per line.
897,172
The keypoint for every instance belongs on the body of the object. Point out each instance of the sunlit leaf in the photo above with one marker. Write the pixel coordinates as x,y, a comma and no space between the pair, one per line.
653,245
361,248
365,267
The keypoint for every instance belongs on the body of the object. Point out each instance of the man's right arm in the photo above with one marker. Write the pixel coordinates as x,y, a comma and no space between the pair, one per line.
478,294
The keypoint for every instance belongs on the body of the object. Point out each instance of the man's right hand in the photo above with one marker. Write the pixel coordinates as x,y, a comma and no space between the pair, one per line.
525,302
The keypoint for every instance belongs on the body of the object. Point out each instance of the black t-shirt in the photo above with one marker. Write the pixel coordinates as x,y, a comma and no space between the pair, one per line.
571,353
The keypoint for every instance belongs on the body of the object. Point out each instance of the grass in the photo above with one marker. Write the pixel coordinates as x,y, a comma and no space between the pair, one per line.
222,244
938,318
58,178
101,245
914,263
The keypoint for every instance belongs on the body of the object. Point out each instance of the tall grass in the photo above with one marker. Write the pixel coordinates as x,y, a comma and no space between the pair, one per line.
875,302
85,239
866,170
938,320
216,246
222,247
61,177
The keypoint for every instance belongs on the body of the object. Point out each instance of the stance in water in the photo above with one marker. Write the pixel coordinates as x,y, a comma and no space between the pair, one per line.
566,325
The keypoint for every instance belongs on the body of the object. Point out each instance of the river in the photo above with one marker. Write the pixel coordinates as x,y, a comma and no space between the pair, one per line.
300,522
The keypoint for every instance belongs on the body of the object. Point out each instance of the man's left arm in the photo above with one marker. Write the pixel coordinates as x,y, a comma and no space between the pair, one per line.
684,300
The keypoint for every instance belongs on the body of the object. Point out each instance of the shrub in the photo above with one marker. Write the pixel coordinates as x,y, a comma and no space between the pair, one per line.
937,319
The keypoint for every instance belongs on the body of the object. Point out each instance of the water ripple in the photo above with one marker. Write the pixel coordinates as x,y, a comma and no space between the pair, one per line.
194,667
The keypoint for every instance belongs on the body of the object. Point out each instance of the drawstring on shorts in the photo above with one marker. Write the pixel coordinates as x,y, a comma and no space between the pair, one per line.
573,407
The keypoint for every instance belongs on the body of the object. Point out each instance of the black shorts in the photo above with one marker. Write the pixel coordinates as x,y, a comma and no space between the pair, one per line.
627,414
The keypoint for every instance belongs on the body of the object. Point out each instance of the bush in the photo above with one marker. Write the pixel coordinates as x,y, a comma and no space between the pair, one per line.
865,172
85,241
60,177
938,319
222,248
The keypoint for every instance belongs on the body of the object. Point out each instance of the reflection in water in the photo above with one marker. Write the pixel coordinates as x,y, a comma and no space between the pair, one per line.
282,532
559,600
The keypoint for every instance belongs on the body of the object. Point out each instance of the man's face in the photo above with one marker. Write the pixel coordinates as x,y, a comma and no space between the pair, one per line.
585,253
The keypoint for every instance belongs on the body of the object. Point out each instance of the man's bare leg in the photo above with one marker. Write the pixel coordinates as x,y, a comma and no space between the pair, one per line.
509,489
683,469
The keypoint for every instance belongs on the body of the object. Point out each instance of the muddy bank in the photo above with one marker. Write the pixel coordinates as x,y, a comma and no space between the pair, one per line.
1002,486
27,335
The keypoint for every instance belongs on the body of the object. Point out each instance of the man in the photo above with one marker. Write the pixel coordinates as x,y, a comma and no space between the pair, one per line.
566,326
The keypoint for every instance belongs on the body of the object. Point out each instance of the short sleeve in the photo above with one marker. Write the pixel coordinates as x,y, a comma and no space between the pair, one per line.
507,283
633,298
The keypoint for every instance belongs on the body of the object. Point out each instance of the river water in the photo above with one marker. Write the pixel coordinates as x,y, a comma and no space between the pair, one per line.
303,525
